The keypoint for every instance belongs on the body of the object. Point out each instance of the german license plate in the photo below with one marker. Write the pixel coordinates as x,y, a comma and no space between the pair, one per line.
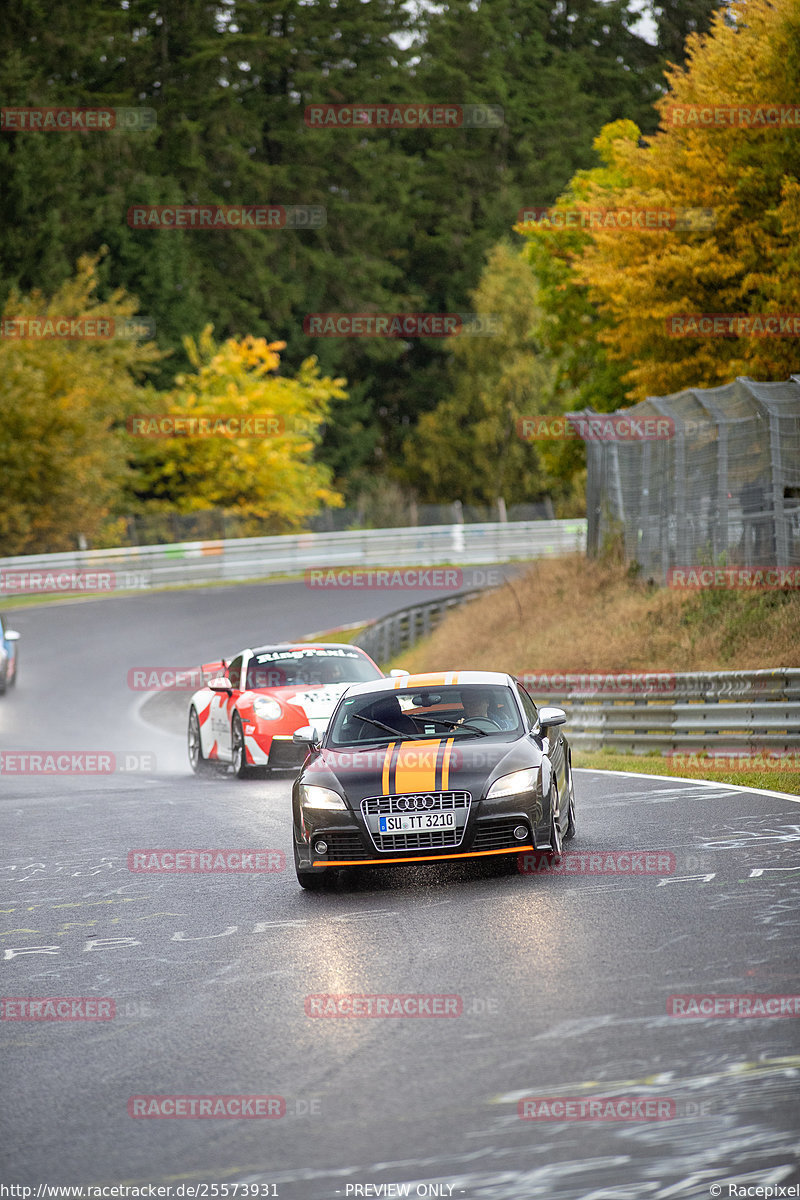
414,822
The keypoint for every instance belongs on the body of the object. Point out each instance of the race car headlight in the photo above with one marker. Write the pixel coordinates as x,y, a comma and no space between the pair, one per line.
319,797
268,710
510,785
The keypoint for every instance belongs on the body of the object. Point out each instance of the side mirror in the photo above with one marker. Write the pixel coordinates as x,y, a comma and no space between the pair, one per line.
11,635
549,717
397,673
306,735
220,684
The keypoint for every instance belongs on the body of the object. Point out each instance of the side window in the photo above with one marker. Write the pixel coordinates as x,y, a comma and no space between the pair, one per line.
235,671
530,708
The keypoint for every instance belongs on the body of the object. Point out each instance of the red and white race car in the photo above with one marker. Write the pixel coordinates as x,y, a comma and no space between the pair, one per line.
246,716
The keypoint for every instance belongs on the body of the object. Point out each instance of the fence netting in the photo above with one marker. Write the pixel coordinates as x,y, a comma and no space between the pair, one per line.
720,484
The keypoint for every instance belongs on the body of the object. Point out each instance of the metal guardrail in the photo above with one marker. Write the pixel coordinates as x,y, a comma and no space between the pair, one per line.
257,558
720,712
713,712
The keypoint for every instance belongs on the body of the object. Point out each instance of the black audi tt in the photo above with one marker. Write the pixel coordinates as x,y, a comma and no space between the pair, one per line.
431,767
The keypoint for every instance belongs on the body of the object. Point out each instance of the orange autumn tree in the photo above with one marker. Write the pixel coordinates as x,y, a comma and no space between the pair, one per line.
749,176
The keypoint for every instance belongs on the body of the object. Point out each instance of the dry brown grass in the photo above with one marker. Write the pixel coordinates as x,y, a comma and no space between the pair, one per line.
575,614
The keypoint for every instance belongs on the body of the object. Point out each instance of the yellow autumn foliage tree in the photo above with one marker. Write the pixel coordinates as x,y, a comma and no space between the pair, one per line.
70,367
242,437
746,169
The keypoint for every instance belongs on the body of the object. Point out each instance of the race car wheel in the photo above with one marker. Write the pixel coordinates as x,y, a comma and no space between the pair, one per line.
319,879
200,765
238,752
555,823
571,809
314,881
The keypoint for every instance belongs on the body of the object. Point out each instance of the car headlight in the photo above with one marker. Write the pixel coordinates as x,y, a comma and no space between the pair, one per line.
319,797
268,709
510,785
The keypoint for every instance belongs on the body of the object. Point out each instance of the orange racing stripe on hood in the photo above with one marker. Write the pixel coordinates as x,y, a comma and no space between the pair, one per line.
415,769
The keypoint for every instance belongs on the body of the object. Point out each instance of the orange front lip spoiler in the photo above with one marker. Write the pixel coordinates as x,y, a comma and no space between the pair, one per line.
382,862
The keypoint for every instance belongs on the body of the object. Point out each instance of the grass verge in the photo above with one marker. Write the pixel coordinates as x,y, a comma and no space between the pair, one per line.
657,764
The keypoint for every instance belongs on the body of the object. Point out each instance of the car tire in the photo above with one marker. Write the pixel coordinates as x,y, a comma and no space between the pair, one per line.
314,881
238,752
556,836
570,833
199,764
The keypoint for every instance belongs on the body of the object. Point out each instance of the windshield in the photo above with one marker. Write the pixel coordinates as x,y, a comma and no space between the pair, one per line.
473,710
289,668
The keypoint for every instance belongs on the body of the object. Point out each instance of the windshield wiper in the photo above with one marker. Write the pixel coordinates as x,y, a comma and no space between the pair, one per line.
381,725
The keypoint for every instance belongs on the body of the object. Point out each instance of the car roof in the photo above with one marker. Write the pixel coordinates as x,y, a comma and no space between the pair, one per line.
433,679
289,646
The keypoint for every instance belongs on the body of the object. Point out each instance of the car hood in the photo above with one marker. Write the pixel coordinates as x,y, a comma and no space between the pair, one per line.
429,765
317,702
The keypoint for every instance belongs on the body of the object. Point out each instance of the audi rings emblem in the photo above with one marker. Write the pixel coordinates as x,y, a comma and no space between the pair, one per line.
409,803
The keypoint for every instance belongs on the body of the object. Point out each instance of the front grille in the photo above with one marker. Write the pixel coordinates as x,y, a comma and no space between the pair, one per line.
496,835
423,802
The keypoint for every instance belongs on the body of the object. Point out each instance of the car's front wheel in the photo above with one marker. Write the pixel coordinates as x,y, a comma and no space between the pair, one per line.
199,764
238,750
570,833
314,881
318,879
556,838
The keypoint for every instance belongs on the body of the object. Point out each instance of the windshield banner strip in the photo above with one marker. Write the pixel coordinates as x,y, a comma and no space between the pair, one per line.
428,681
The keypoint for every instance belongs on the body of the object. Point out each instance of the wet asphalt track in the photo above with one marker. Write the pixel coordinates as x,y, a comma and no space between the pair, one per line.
563,980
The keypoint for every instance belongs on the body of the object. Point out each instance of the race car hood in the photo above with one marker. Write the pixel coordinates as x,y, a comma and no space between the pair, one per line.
429,765
315,702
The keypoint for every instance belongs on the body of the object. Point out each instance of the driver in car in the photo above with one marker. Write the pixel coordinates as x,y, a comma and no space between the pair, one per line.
479,702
